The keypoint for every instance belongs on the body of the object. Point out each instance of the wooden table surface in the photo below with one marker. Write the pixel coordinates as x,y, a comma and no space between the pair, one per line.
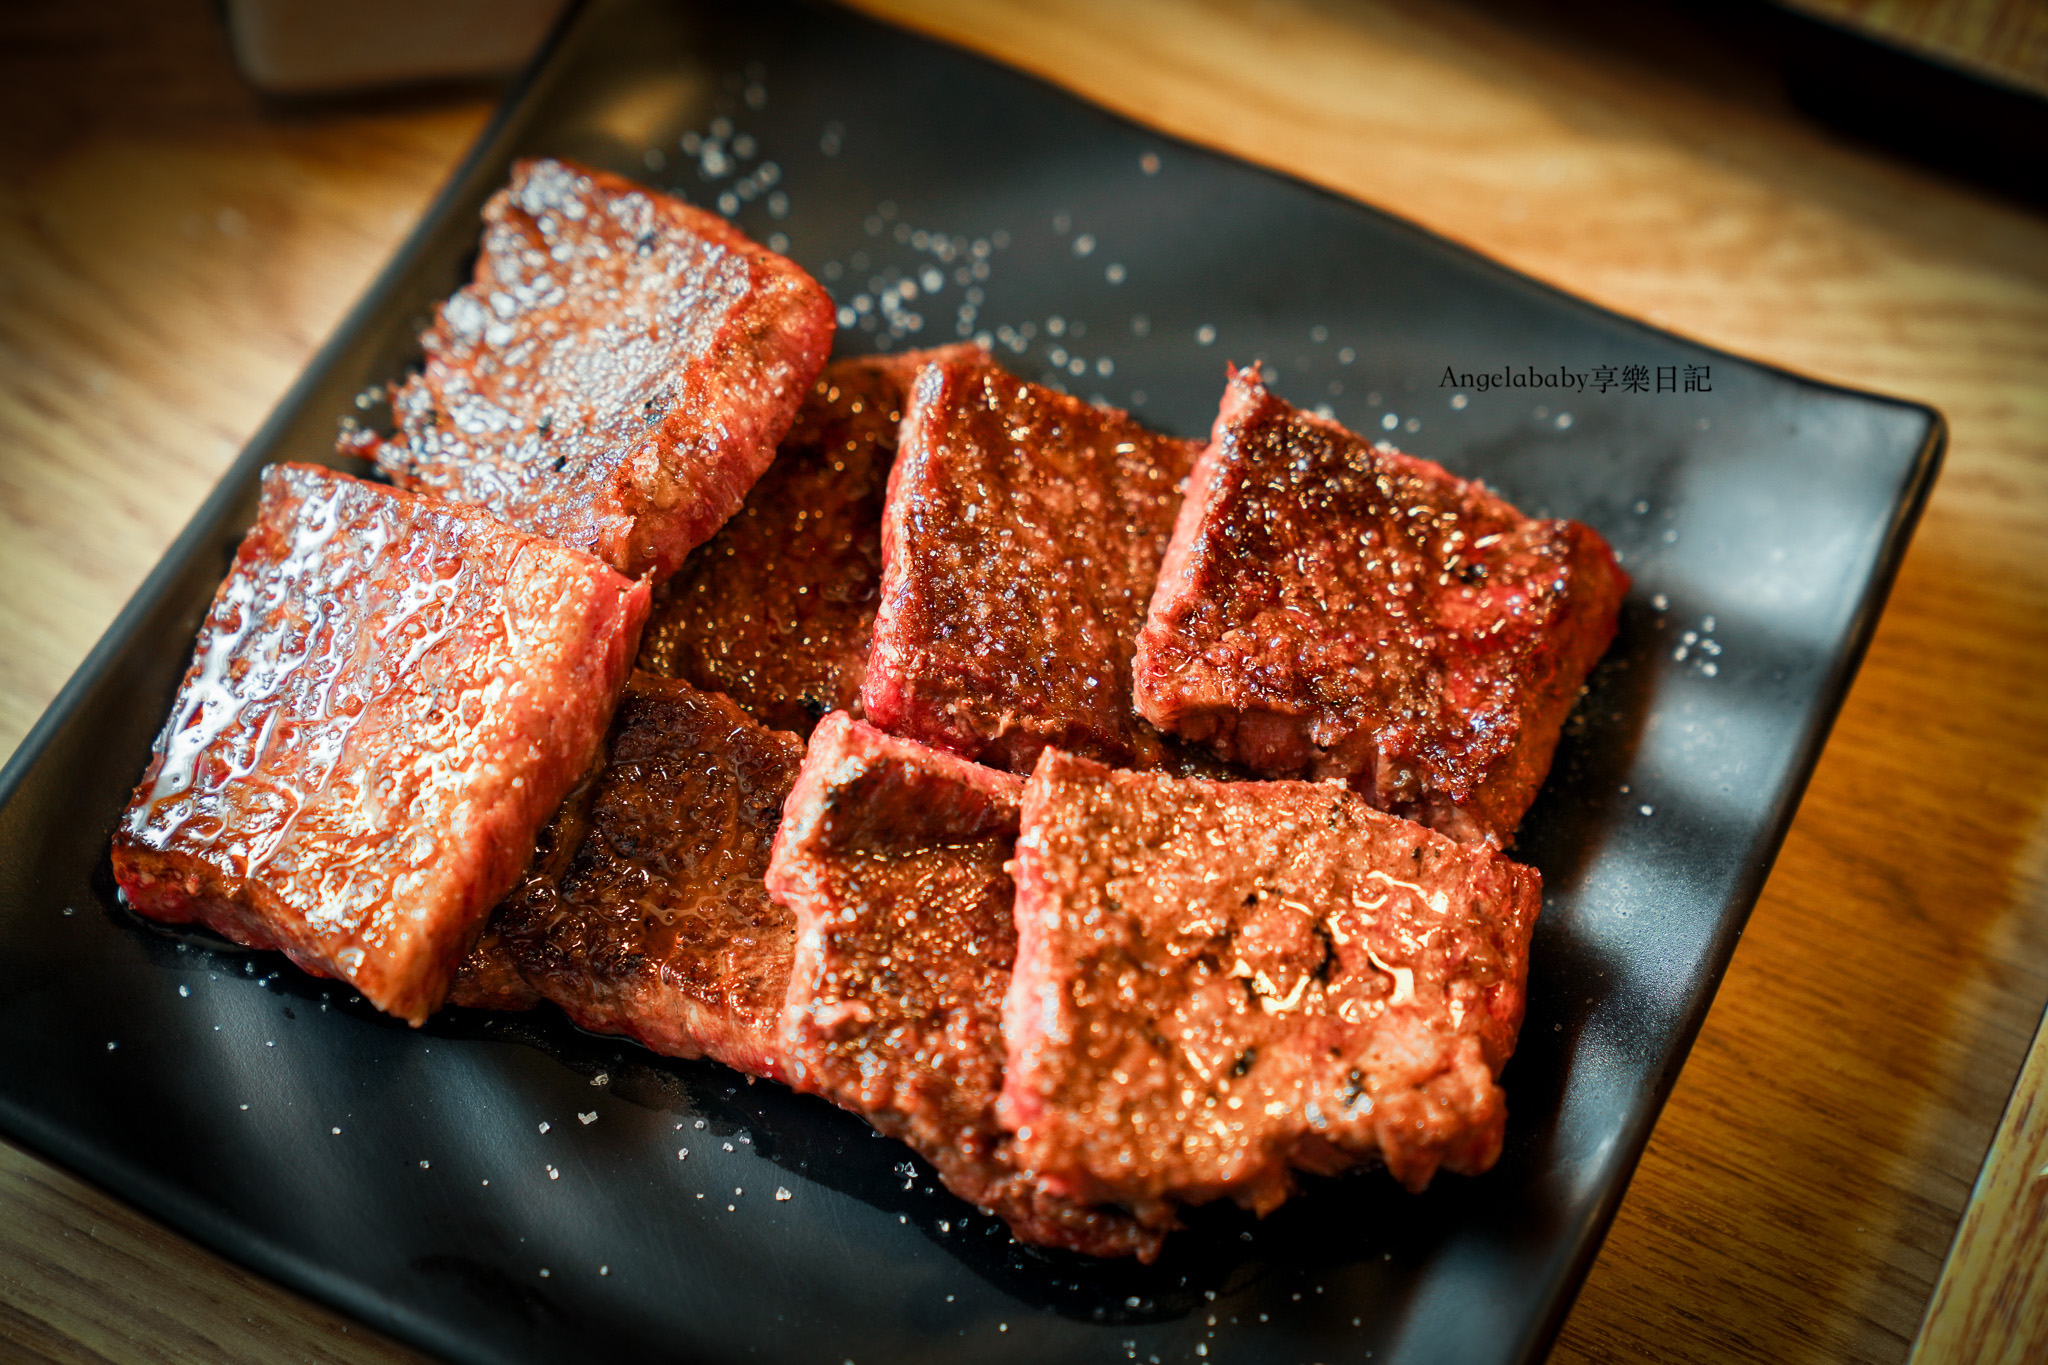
172,250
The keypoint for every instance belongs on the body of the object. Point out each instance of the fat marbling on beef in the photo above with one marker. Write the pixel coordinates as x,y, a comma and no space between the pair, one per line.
645,911
387,699
892,855
616,375
1220,982
1020,542
776,610
1329,608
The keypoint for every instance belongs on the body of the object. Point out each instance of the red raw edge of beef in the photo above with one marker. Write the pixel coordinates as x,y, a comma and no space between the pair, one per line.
1022,537
1331,609
892,856
777,609
645,913
1220,983
617,374
387,699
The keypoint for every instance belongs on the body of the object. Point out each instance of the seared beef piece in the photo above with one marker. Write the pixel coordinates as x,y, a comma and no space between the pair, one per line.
388,697
1217,982
892,856
776,610
646,914
1022,536
1330,609
488,979
616,376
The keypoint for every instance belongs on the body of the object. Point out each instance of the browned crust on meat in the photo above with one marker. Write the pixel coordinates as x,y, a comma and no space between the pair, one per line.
1023,533
1329,608
777,609
617,374
1219,983
646,914
488,978
893,857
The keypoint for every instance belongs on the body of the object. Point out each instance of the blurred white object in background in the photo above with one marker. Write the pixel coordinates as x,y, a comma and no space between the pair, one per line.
320,47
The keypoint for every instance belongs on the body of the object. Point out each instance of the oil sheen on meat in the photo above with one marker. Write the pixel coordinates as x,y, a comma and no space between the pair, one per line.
646,913
1023,532
777,609
1219,983
893,857
617,374
387,699
1332,609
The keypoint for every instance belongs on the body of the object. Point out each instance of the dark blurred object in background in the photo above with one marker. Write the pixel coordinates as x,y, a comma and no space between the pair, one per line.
2004,42
321,47
1960,86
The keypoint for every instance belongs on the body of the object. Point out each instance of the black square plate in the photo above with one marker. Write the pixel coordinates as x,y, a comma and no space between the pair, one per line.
512,1190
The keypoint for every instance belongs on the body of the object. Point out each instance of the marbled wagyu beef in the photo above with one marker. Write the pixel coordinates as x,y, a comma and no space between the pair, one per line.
1332,609
645,912
617,374
892,855
388,698
1218,983
776,610
1022,536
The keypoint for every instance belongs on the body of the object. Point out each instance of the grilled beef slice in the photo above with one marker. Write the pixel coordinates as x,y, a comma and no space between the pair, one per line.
616,375
1329,608
776,610
645,913
1219,982
892,856
488,978
388,697
1023,533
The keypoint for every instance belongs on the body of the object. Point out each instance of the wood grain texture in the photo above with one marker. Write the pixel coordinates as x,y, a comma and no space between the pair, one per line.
83,1279
1801,1190
171,253
1990,1306
2005,40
